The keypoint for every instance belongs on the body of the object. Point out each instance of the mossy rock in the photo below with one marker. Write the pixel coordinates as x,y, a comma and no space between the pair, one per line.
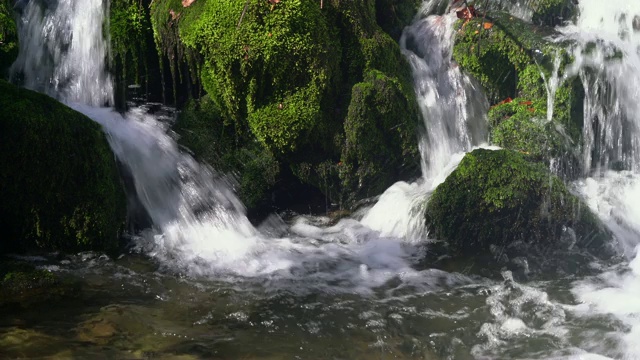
499,204
270,72
393,15
23,286
522,125
511,60
380,132
553,12
8,37
61,188
279,79
203,130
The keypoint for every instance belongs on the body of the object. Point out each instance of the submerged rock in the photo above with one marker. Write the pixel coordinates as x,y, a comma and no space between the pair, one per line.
24,286
60,185
497,205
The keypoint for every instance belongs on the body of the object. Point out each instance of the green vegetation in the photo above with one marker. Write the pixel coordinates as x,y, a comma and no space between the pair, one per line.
8,38
279,80
60,185
371,157
128,26
499,198
512,59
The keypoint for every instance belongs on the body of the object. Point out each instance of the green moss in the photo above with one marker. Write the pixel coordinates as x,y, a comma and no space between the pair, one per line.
522,125
8,38
380,130
498,198
512,59
281,78
203,131
128,29
498,55
61,189
283,54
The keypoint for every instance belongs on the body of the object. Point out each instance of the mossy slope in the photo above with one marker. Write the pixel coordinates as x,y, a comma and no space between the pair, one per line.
60,185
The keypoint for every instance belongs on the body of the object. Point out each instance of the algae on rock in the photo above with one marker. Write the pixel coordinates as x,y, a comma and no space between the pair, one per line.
61,188
499,203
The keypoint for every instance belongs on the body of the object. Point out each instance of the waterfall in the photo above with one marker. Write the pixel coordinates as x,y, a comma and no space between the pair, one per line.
607,59
453,109
63,51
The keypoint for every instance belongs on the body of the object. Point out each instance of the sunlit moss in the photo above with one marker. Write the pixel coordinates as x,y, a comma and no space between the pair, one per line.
498,198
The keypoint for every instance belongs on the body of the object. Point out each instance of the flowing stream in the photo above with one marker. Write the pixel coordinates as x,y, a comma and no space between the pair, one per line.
204,282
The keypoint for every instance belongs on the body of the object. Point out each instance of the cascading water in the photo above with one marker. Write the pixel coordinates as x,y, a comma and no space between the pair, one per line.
356,289
63,51
453,108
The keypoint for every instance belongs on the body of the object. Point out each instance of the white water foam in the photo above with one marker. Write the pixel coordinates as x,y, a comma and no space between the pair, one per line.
608,60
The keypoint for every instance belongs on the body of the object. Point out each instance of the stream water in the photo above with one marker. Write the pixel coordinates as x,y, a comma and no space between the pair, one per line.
204,282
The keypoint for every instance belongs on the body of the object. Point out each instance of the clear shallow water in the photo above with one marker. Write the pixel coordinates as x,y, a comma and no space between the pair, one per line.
133,307
203,282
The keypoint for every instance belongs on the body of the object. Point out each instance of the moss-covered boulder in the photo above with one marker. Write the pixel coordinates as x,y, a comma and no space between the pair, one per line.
499,204
376,145
8,37
60,184
291,80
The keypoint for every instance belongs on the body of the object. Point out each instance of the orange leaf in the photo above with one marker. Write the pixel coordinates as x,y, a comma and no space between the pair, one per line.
525,103
488,25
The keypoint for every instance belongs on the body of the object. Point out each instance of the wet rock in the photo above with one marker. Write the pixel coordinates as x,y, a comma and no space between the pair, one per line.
510,212
61,189
23,286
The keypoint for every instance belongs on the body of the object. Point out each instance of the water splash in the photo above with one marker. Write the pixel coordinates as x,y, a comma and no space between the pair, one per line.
453,106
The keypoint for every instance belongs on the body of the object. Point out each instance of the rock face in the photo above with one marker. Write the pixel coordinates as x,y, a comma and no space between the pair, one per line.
60,184
500,205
